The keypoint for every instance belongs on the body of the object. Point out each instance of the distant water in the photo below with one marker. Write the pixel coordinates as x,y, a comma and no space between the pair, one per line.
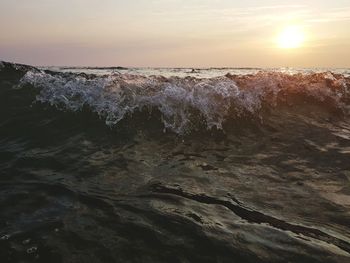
194,72
174,165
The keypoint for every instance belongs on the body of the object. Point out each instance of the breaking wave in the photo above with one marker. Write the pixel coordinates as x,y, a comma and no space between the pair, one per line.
183,103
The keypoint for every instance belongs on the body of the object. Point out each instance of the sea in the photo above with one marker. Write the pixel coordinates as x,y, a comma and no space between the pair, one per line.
114,164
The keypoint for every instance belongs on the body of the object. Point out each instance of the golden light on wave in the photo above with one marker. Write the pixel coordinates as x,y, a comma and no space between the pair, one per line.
291,37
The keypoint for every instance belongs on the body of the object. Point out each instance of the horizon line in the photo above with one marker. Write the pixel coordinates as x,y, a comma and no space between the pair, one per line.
121,67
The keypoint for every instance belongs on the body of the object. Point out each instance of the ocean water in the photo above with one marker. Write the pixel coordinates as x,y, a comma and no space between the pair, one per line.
193,72
174,165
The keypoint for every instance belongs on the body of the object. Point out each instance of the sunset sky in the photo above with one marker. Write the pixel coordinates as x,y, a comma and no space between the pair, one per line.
174,33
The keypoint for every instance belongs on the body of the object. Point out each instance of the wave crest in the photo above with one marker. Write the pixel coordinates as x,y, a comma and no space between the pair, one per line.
183,102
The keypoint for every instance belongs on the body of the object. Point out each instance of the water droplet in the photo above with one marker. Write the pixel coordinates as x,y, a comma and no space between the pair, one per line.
5,237
32,250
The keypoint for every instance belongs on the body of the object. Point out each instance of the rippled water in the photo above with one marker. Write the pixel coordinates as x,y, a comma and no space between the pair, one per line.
138,168
194,72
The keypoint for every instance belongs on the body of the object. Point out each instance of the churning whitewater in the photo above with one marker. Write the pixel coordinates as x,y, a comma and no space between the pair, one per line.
182,102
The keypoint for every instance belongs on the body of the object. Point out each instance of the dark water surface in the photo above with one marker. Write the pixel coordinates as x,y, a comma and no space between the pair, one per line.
238,168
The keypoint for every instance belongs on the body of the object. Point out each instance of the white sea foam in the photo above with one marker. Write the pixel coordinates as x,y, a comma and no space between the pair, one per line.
180,100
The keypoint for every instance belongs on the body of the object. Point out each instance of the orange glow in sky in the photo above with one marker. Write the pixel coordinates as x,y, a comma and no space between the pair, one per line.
176,33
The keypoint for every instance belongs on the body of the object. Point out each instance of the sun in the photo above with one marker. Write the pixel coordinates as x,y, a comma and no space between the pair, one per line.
291,37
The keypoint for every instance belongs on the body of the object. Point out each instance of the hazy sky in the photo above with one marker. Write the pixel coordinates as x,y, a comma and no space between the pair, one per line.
194,33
